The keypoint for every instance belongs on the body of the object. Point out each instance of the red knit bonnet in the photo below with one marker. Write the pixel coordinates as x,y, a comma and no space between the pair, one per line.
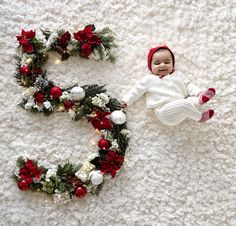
153,50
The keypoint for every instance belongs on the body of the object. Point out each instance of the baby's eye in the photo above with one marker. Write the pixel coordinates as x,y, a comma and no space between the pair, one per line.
156,63
167,62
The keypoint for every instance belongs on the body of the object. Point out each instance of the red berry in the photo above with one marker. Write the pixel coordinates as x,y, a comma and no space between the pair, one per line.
55,92
39,98
103,144
25,70
81,192
23,185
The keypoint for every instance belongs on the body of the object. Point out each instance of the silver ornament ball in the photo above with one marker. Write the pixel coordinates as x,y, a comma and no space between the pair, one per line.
77,93
96,177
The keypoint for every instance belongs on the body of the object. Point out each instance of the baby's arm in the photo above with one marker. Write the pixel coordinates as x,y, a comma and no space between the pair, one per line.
135,93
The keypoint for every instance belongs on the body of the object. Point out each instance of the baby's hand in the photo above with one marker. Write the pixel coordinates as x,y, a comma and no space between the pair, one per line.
123,104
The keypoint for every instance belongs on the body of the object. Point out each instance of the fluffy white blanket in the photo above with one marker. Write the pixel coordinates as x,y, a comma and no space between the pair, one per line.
181,175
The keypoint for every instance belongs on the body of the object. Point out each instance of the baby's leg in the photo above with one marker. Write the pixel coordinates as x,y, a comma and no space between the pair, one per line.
176,111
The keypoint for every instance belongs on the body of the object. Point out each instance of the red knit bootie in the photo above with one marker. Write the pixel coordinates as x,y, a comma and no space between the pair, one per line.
207,115
206,96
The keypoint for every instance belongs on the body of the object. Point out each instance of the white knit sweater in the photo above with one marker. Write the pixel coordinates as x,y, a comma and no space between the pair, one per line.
160,91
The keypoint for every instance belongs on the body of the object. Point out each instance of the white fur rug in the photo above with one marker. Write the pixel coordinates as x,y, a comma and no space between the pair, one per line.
181,175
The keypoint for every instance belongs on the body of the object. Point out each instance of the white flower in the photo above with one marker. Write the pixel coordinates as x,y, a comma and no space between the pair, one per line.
61,197
48,105
65,96
51,172
30,103
115,145
104,97
39,107
100,100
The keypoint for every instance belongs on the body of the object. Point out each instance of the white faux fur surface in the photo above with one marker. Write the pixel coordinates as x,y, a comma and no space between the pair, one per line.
181,175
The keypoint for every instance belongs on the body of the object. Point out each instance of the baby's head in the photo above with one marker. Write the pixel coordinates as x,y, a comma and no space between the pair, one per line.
161,61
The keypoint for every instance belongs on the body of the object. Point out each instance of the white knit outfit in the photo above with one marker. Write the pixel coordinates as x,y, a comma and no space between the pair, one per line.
173,97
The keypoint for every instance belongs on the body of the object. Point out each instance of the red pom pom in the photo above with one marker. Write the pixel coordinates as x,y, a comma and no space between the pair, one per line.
23,185
55,92
25,70
103,144
81,192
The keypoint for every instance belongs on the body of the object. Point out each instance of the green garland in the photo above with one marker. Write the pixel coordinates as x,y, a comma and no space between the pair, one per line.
88,101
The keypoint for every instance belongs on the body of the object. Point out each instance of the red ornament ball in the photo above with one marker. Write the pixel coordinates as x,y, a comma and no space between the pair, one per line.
81,192
103,144
23,185
39,98
55,92
25,70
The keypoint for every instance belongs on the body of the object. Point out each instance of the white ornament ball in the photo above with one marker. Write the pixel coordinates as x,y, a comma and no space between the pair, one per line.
118,117
96,177
77,93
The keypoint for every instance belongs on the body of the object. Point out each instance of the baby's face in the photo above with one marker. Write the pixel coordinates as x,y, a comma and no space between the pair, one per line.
162,63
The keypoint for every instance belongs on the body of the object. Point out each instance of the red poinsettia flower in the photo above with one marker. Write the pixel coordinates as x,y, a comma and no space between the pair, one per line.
94,39
86,49
112,163
82,35
24,40
88,39
64,39
30,172
100,120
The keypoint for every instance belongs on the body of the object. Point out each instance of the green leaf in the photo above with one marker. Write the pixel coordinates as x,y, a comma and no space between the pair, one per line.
20,162
62,187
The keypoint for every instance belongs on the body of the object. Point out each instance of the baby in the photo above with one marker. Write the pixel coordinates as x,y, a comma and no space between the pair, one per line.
171,95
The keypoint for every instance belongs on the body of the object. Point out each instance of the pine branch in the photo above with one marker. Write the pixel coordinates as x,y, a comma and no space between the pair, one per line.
92,90
112,58
122,140
20,162
46,33
113,104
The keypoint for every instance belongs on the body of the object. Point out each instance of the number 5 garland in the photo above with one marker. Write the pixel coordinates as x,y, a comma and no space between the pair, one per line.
88,101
